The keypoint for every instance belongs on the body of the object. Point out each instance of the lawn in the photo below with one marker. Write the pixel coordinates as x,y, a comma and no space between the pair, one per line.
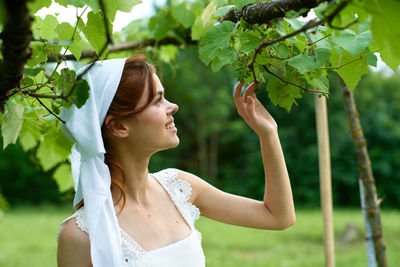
28,238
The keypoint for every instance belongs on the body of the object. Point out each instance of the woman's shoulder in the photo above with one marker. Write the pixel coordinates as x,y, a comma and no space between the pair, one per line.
73,245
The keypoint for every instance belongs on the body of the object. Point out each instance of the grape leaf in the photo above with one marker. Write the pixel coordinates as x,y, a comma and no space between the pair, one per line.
306,63
112,6
352,43
283,94
351,73
12,122
215,40
223,10
384,20
46,154
183,15
203,22
81,93
48,27
36,5
63,177
159,26
322,83
250,41
95,31
226,56
27,141
168,52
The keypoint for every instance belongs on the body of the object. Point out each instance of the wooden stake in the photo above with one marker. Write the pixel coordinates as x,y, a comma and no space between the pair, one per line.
325,177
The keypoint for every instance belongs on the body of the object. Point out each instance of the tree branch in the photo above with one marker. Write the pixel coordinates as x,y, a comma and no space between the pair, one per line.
128,46
266,11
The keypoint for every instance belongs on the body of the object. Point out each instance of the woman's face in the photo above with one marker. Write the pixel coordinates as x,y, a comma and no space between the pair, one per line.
153,129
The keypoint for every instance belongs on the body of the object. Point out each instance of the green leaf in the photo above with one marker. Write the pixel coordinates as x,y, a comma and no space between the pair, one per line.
12,122
27,82
66,80
283,94
65,31
387,56
27,141
250,40
168,53
32,71
112,6
81,93
76,50
93,4
226,56
203,22
352,43
306,63
242,3
159,26
95,31
351,73
385,17
36,5
215,40
372,60
223,10
46,154
63,177
183,15
48,27
322,83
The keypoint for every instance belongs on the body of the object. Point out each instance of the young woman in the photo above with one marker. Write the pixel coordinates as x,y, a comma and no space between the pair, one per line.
126,216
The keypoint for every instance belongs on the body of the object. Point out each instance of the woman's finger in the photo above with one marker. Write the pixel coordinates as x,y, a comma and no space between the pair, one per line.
250,90
251,107
238,90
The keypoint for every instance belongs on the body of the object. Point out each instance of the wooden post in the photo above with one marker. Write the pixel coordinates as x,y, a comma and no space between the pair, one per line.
325,177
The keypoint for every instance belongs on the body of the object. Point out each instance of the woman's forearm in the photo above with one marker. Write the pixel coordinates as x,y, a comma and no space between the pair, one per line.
278,198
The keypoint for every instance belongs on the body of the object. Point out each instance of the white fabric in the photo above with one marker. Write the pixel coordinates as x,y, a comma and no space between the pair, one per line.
91,175
186,252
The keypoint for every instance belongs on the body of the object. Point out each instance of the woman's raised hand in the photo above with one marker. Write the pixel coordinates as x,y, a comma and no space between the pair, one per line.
252,111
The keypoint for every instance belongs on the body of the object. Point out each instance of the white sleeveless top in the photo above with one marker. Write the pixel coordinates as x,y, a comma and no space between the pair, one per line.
184,253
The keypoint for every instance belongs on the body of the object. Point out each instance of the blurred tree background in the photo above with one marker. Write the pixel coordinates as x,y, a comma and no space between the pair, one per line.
219,147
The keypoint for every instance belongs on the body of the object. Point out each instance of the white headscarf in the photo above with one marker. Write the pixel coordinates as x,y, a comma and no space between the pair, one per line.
91,175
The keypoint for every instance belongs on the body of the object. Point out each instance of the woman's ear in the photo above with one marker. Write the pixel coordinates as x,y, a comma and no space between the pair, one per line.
115,126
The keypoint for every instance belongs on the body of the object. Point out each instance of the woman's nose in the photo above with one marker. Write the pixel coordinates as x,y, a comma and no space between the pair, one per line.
173,108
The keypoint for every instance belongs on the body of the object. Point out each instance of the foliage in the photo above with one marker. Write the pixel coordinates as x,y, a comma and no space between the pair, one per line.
289,67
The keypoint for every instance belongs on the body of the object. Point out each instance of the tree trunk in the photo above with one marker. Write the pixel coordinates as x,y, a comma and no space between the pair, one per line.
15,48
369,201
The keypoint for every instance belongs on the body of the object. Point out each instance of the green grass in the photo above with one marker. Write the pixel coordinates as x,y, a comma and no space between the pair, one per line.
28,238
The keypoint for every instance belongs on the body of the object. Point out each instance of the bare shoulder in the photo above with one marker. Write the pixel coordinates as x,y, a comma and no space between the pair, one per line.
73,246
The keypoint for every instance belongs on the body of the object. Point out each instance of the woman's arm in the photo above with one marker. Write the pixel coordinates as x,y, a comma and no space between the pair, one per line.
277,209
73,246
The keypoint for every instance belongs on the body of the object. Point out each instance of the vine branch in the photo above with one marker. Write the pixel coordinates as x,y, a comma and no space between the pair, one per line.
311,24
288,82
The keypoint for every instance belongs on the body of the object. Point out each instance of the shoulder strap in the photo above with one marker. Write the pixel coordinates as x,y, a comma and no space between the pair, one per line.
179,192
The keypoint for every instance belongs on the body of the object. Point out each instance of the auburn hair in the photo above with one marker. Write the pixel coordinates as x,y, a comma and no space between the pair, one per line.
137,76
